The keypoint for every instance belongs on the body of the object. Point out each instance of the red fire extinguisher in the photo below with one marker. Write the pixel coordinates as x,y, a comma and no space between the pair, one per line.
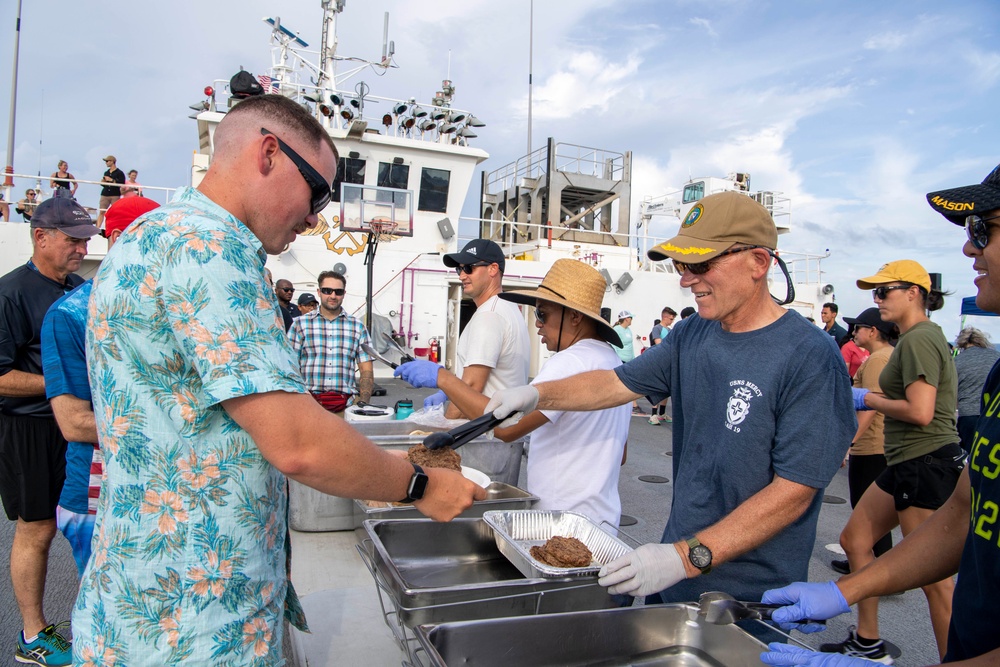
435,351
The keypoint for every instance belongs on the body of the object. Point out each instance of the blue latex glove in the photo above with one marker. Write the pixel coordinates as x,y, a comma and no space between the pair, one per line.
859,398
818,601
784,655
419,373
437,398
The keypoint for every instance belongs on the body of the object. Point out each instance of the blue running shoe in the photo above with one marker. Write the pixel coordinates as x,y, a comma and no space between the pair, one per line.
49,648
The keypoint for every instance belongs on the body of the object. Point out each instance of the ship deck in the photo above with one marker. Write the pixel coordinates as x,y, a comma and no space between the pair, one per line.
341,601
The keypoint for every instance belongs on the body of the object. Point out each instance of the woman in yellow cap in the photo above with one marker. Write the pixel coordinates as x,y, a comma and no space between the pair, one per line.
919,386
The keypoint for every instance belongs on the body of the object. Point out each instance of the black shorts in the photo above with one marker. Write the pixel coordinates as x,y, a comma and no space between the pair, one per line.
32,467
926,481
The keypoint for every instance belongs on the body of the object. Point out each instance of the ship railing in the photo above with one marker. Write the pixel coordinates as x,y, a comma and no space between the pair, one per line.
526,239
14,194
569,158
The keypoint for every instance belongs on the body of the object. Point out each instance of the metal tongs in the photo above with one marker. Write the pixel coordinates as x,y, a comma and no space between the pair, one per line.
720,608
372,352
404,356
460,435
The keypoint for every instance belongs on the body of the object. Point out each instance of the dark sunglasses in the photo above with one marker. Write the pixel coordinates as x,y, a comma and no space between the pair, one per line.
332,290
882,291
287,289
540,316
467,269
978,230
322,192
701,268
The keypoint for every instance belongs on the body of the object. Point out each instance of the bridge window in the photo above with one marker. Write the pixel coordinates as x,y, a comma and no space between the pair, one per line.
694,192
434,190
349,170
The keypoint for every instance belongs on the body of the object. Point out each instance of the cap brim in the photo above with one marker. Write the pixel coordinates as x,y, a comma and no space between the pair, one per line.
80,231
957,203
871,282
688,249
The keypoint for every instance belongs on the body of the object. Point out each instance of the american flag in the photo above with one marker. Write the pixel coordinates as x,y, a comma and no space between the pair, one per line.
269,84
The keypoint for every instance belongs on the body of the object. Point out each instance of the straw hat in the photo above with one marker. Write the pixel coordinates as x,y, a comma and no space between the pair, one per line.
573,284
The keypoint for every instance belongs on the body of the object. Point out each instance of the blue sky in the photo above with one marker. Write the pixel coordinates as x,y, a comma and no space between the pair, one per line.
854,110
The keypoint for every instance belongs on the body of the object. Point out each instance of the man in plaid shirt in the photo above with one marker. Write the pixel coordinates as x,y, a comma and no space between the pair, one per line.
328,342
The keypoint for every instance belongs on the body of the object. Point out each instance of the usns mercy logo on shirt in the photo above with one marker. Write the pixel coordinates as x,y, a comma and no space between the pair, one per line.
738,407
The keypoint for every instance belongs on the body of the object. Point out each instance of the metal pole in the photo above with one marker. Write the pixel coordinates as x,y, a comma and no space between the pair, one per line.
531,47
8,179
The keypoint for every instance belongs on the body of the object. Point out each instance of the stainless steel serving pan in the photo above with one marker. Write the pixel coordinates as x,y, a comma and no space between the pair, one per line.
668,635
498,496
435,572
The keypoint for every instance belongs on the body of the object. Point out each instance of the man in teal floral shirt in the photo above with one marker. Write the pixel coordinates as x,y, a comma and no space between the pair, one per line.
194,383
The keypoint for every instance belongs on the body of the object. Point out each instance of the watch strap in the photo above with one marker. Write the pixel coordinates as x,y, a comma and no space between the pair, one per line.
694,542
418,484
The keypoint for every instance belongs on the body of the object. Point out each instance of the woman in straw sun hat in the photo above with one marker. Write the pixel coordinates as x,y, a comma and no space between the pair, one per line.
574,457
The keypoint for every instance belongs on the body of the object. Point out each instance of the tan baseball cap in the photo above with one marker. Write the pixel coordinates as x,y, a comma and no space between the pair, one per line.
110,157
900,271
714,225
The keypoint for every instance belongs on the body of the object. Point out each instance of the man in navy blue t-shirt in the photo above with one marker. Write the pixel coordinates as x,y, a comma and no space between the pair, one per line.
762,412
32,450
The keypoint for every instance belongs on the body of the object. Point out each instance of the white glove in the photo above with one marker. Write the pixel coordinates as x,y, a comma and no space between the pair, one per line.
649,569
516,399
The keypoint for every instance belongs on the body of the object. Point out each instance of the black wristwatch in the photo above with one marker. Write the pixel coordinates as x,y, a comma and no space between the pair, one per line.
699,555
417,486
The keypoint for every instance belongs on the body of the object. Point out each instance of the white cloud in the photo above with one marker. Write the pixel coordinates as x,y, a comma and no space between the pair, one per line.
704,23
985,66
886,41
587,82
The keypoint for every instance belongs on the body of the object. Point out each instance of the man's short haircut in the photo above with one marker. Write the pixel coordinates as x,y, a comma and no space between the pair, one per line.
331,274
669,311
832,306
687,312
277,113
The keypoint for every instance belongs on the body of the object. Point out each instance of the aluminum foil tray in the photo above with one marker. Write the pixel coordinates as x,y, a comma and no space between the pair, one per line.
516,531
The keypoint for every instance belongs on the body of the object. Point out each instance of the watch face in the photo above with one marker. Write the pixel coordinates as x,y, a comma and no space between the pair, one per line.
700,556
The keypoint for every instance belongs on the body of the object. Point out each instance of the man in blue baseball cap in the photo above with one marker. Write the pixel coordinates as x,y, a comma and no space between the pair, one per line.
32,449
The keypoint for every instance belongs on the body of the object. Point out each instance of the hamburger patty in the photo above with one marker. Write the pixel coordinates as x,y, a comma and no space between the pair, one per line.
563,552
446,457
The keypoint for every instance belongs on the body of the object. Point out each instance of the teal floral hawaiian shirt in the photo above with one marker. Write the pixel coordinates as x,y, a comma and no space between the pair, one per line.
190,556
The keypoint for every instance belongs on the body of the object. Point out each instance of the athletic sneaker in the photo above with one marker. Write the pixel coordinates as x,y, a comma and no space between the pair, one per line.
654,420
49,648
853,648
638,413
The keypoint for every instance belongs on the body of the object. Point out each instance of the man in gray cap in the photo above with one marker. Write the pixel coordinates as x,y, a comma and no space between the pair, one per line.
762,416
32,449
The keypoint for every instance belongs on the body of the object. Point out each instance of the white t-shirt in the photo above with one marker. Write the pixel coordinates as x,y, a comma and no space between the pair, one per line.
574,460
497,337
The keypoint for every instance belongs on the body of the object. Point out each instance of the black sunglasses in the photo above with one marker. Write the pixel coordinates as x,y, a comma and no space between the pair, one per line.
467,269
978,230
322,192
882,291
332,290
701,268
540,315
287,289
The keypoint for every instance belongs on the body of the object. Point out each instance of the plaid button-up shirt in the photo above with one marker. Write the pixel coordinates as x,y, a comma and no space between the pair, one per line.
327,350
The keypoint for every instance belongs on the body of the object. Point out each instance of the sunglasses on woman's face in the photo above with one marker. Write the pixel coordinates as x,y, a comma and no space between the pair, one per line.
882,291
332,290
322,192
978,230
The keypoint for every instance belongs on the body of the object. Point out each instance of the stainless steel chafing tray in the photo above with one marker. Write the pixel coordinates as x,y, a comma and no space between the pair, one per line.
312,510
667,635
498,495
435,572
516,531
